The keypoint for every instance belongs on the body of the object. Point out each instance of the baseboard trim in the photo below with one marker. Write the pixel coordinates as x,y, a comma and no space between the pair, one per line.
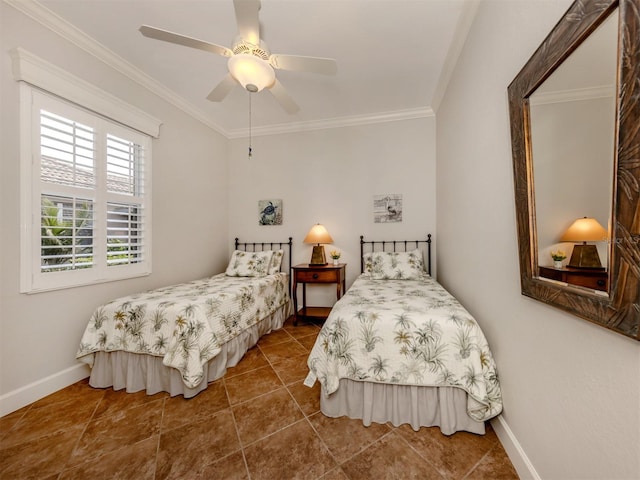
518,457
16,399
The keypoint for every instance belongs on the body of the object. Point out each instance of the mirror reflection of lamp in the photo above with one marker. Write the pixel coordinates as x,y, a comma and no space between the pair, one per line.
585,230
318,234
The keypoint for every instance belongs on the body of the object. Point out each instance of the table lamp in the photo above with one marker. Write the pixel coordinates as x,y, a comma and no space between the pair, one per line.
585,230
318,234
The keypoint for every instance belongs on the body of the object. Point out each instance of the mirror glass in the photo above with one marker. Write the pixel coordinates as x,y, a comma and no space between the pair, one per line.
572,140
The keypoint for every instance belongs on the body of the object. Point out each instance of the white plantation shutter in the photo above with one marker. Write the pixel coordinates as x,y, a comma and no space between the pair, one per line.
90,195
124,166
125,218
125,233
67,151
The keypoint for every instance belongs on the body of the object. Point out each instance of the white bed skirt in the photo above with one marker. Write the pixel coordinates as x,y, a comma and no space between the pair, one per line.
444,407
135,372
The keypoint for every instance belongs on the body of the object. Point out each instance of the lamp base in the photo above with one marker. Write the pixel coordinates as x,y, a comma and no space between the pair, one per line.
584,256
317,256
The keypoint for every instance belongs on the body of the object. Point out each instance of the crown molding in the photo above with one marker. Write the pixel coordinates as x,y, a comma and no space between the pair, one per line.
338,122
35,71
573,95
66,30
47,18
469,11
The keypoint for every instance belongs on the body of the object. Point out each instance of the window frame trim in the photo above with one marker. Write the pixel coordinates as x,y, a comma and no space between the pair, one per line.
31,69
30,188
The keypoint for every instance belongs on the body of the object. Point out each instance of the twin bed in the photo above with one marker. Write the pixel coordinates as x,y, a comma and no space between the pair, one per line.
397,347
179,338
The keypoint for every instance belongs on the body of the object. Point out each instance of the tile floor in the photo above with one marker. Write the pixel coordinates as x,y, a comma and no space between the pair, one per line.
258,422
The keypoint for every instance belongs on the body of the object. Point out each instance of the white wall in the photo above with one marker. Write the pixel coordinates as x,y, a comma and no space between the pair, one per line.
330,177
40,333
571,388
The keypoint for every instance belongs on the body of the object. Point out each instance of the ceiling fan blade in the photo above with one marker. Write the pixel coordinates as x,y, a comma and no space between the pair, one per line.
171,37
222,89
325,66
248,21
283,98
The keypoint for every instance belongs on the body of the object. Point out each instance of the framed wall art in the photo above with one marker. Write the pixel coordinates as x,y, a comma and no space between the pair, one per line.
270,212
387,208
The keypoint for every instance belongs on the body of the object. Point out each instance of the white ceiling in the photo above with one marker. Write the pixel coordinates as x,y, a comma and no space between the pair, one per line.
391,54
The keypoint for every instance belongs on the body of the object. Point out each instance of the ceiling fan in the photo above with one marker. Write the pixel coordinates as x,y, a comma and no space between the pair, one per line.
250,62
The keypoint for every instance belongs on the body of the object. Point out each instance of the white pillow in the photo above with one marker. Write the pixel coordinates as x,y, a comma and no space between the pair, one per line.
249,264
276,261
394,265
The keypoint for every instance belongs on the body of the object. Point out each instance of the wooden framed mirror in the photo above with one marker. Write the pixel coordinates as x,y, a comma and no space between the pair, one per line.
564,167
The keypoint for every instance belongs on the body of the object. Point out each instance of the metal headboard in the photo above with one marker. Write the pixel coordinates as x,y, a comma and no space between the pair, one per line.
261,246
393,246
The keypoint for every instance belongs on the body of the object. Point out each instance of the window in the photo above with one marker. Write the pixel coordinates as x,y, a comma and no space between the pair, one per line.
86,217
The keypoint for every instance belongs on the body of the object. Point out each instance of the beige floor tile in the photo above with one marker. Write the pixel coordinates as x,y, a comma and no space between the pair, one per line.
275,337
295,452
252,384
80,392
335,474
495,465
113,432
302,330
282,351
40,457
265,415
179,410
389,458
307,398
49,419
252,360
308,341
134,462
453,455
114,402
292,369
183,450
334,431
10,420
231,467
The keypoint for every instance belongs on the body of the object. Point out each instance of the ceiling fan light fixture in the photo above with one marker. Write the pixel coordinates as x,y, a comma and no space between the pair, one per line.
253,73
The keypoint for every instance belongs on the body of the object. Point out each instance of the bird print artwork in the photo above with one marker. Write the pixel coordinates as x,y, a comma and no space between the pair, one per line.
387,208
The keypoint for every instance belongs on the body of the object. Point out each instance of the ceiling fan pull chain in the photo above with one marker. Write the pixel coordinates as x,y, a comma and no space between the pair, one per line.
250,149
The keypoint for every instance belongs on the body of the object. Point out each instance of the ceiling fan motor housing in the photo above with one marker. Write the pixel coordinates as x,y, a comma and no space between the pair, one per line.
250,66
241,46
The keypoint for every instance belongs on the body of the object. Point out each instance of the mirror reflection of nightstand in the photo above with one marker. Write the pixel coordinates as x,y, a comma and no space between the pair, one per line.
596,278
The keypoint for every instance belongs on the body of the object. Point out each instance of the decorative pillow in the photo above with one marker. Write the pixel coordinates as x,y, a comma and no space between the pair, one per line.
368,264
249,264
276,261
394,265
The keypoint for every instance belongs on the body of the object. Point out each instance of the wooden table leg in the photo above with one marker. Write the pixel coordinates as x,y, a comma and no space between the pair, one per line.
295,302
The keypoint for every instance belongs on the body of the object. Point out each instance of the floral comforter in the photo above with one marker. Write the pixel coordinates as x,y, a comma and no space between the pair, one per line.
185,324
407,332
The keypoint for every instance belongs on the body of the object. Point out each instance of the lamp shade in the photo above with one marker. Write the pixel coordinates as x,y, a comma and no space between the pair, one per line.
585,230
252,72
318,234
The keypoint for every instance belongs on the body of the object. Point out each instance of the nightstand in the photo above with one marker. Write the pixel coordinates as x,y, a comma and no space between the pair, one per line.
595,278
316,274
